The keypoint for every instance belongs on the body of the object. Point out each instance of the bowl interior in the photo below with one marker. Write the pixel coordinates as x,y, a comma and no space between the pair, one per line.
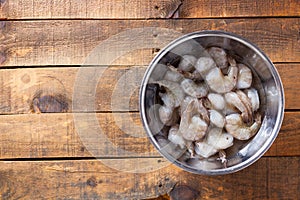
266,81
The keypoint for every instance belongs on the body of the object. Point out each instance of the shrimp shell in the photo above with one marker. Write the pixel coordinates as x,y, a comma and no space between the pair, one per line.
219,56
254,98
204,64
173,76
244,79
220,83
218,139
215,141
174,89
216,118
193,89
168,116
195,75
191,125
240,130
217,101
187,63
246,101
199,108
234,99
168,99
176,137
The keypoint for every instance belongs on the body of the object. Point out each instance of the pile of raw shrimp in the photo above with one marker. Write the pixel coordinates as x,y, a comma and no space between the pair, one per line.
207,102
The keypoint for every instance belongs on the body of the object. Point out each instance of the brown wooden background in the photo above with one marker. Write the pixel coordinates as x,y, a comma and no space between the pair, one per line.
44,43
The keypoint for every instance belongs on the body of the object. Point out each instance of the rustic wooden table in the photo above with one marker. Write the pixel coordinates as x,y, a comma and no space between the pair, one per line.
42,47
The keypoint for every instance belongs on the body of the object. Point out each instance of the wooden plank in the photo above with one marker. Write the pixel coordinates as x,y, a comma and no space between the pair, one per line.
290,83
288,132
54,88
56,135
66,42
268,178
128,9
237,8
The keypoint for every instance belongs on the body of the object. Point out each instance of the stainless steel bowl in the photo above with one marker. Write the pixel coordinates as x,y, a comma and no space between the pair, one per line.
267,80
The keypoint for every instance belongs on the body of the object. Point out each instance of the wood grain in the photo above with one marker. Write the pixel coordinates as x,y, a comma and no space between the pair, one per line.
134,9
56,135
47,148
268,178
67,42
290,81
237,8
55,88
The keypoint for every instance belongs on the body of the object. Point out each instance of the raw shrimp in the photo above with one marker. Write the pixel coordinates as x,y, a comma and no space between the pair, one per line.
168,116
246,101
193,89
168,99
219,139
202,110
176,137
217,101
215,141
191,125
244,79
195,75
219,56
229,109
187,100
173,76
198,109
173,89
204,65
187,63
220,83
254,98
196,129
216,118
240,130
233,99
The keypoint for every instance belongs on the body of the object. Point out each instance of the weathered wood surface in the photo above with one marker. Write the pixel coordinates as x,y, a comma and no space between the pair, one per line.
41,49
68,42
21,88
268,178
55,135
134,9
